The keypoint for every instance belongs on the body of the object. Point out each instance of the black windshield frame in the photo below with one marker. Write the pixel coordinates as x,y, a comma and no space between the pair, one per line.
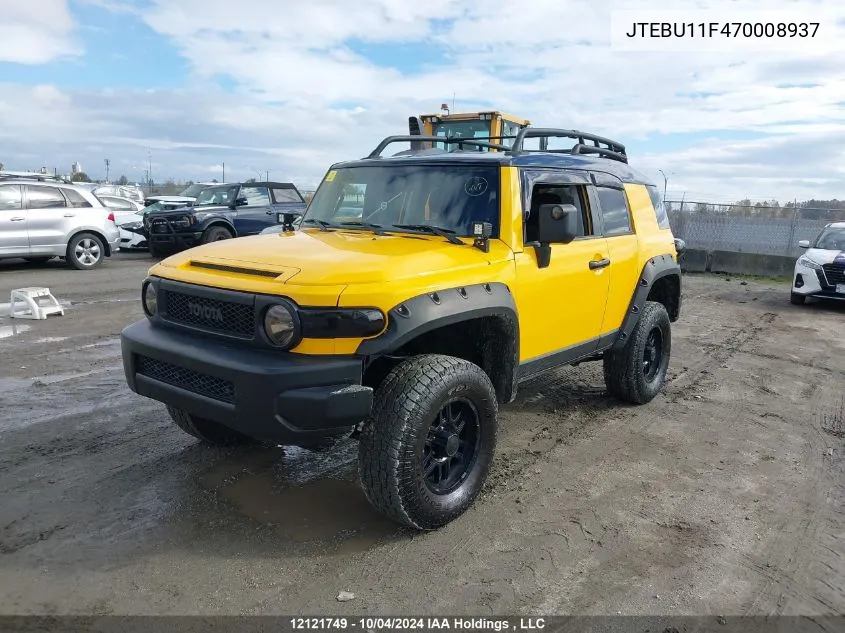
451,196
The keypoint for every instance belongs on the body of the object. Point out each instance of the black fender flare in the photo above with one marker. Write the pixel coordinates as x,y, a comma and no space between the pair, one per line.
424,313
655,268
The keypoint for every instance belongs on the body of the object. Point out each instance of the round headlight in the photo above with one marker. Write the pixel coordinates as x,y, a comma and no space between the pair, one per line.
280,325
150,300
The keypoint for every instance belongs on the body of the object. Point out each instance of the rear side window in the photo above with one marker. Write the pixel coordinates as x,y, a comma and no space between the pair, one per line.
45,198
659,207
286,195
614,211
10,197
75,199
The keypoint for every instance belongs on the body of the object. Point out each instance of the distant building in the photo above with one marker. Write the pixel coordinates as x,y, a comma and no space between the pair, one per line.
76,168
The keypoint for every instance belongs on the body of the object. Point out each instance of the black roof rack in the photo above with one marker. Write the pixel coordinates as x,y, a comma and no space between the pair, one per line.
613,150
448,140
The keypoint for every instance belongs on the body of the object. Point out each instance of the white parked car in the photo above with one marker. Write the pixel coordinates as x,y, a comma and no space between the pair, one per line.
820,272
133,235
121,191
42,218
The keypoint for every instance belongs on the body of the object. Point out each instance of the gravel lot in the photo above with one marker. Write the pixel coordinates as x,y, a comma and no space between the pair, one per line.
725,495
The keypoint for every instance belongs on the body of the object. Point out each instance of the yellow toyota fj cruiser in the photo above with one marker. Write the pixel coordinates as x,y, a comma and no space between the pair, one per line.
419,290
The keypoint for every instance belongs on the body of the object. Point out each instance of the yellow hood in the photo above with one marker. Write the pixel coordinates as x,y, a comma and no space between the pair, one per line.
311,257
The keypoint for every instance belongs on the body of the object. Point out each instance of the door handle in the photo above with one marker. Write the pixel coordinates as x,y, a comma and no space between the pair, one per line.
599,264
269,212
70,215
17,219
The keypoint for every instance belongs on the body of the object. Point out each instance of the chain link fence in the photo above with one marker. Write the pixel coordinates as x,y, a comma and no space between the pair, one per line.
758,229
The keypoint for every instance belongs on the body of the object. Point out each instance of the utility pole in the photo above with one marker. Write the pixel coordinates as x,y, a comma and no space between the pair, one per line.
150,170
107,162
224,172
268,176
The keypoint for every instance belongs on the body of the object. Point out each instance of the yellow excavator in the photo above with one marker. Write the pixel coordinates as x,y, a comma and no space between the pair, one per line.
494,127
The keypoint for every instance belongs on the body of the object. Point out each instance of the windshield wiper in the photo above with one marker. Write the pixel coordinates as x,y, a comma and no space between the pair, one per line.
324,226
375,228
449,234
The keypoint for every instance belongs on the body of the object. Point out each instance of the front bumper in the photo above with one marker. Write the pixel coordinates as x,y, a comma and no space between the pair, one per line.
268,395
811,282
175,240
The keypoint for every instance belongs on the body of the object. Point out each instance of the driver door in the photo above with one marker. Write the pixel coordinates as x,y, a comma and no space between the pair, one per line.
561,307
257,214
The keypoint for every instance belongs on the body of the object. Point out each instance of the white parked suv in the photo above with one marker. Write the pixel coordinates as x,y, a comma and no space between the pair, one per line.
42,218
820,272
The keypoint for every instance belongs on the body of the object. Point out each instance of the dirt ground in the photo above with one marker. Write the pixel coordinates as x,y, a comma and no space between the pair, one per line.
725,495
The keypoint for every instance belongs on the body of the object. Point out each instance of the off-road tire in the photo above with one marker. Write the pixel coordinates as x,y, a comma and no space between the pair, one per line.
208,431
215,234
393,439
38,260
624,369
85,241
796,299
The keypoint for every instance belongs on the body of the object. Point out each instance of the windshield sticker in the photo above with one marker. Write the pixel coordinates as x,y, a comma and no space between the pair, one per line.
330,176
475,186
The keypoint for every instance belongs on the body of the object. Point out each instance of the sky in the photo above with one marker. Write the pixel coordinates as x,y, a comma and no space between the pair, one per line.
288,87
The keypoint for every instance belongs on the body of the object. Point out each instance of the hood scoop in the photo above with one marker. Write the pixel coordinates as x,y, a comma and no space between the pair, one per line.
228,268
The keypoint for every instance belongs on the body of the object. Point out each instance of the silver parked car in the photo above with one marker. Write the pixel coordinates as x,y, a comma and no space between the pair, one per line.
43,217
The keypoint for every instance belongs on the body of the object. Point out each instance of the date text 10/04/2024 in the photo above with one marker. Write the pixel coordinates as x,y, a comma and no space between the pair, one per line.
719,29
418,624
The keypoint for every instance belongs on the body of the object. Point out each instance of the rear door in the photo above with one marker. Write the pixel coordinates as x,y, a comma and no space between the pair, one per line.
257,213
49,218
13,236
610,198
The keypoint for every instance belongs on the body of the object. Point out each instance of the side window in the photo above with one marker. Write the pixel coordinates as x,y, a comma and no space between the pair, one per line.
544,193
286,195
10,197
614,211
75,199
45,197
255,196
659,207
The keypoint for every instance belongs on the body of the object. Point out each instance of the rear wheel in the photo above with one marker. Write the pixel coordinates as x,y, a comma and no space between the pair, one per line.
796,299
209,431
637,372
215,234
426,449
85,251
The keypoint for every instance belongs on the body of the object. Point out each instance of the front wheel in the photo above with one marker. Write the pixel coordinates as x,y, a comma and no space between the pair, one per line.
637,372
215,234
85,251
426,449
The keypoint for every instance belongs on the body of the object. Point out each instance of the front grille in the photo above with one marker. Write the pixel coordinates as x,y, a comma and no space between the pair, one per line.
236,319
835,274
186,379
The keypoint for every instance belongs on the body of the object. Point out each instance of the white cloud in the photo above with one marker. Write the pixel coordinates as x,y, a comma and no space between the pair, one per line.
308,96
36,32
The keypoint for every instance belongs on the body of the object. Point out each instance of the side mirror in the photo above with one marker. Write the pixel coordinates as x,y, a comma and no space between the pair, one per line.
680,246
239,202
558,223
804,243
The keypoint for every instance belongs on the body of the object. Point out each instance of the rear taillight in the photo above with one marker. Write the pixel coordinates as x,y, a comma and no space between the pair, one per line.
111,217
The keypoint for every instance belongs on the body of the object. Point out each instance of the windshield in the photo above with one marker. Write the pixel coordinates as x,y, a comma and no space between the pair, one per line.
450,197
224,194
192,191
831,239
